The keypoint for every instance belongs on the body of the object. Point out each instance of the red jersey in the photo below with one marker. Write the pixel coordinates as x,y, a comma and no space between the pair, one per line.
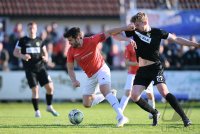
88,56
130,55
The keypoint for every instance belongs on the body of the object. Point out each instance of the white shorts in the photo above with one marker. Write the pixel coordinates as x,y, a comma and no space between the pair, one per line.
101,77
129,84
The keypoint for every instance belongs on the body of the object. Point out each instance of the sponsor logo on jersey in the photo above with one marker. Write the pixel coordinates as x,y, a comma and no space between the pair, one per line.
38,44
143,37
87,55
148,34
76,55
32,50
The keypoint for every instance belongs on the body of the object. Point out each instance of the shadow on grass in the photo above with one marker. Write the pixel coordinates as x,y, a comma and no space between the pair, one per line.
93,126
60,126
70,126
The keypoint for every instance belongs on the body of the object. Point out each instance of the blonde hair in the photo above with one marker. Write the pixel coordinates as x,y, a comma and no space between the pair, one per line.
140,16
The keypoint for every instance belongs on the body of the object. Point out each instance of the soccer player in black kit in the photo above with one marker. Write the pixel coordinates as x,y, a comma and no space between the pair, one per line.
150,69
34,56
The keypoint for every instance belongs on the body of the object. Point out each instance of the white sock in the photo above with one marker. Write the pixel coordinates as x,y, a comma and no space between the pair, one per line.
115,104
152,103
98,98
49,106
124,101
37,111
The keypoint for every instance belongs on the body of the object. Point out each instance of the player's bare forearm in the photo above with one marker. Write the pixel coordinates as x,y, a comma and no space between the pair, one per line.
70,68
72,75
75,83
185,42
120,37
17,53
115,31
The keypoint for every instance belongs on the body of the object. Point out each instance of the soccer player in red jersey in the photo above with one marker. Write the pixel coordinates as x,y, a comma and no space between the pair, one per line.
132,64
88,56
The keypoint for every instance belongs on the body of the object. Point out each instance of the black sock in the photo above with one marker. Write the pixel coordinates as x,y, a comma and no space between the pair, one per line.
49,98
144,105
175,104
35,103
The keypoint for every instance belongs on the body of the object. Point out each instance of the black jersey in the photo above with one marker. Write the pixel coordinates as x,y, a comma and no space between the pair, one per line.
33,47
148,43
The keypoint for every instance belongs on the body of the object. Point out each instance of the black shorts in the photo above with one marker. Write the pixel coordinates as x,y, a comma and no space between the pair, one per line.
40,76
146,74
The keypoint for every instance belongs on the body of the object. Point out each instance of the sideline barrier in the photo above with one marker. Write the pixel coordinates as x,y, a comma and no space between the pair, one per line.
13,85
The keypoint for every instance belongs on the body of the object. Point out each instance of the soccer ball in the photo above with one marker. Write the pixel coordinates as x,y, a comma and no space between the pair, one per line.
75,116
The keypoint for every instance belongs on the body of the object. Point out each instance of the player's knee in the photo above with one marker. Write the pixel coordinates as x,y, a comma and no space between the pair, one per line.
86,105
150,96
134,97
49,89
128,93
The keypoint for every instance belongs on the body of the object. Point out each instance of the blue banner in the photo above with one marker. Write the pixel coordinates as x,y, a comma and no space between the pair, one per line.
183,23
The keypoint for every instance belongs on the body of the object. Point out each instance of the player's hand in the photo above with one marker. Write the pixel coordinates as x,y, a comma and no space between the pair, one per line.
45,58
75,84
26,57
132,42
131,27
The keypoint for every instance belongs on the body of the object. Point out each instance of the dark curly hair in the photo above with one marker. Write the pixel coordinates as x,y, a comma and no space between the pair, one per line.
72,32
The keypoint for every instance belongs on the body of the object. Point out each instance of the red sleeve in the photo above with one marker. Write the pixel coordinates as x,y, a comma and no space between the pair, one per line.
70,57
95,39
127,53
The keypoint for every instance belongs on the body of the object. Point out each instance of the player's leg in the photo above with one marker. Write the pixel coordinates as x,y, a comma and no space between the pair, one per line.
105,89
49,98
33,84
127,89
173,102
35,101
104,80
151,98
45,80
136,97
90,95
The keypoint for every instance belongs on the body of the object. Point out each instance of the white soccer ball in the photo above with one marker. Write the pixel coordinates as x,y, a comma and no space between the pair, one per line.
75,116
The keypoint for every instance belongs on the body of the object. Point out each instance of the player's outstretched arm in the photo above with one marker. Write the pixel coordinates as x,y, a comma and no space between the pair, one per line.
70,68
120,37
115,31
182,41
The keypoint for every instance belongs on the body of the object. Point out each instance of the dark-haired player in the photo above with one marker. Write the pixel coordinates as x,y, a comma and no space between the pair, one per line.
34,55
86,53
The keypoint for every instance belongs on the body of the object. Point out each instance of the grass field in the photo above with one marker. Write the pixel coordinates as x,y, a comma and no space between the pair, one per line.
18,118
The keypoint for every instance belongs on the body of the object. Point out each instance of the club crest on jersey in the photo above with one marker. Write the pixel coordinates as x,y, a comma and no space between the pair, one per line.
148,34
143,37
38,44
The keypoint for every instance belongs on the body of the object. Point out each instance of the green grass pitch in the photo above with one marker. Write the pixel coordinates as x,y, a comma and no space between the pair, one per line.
18,118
